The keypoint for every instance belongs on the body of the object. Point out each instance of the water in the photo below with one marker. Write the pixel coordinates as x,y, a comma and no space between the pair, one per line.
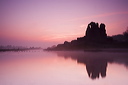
63,68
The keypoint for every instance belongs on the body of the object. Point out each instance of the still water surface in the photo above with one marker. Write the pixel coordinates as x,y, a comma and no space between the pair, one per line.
63,68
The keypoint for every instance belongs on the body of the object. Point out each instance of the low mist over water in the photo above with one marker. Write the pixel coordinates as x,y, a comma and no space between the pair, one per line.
37,67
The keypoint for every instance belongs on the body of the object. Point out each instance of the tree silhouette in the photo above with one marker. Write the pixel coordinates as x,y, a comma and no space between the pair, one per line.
126,34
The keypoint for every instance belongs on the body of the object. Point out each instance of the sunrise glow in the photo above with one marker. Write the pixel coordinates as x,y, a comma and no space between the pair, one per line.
48,22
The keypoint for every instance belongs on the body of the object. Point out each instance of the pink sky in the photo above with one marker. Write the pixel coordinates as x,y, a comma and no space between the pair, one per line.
48,22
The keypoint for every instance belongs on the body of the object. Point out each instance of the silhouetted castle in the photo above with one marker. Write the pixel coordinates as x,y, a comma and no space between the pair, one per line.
94,33
95,37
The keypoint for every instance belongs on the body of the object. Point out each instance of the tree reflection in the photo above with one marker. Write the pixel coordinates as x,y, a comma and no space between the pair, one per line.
96,62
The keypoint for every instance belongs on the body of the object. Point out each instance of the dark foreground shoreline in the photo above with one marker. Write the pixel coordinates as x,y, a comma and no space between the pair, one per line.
97,50
4,50
108,50
85,50
16,50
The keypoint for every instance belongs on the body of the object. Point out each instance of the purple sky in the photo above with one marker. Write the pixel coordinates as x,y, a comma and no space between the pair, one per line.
48,22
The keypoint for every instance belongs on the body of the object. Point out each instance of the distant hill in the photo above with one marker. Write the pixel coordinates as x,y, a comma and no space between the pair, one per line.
16,48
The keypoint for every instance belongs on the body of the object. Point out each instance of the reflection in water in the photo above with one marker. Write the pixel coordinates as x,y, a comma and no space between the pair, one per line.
95,68
46,68
96,62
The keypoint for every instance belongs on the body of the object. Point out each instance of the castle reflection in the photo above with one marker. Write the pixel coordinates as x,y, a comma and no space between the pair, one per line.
96,62
95,67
